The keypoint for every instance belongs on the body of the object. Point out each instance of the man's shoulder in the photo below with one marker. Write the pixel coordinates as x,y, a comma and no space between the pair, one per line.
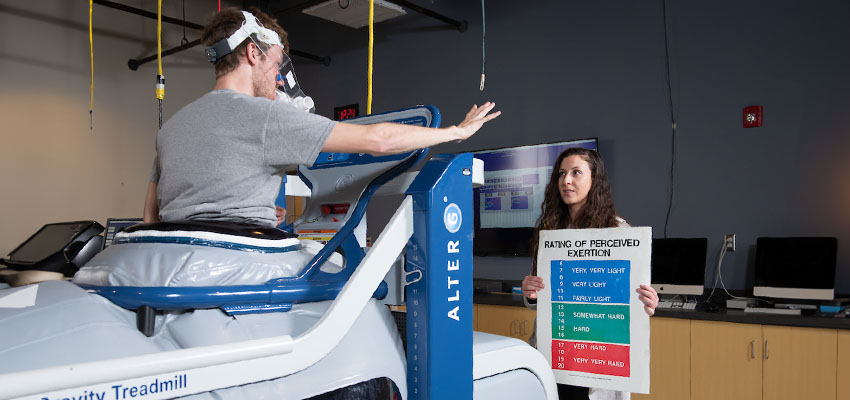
226,103
229,96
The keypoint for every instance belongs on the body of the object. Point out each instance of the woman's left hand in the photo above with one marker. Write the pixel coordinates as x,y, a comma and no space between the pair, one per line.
649,297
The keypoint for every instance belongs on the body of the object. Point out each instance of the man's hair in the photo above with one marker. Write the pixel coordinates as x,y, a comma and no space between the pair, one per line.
597,212
229,20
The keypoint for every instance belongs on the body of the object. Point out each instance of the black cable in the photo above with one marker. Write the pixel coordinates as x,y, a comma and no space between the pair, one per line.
184,41
483,47
160,113
672,117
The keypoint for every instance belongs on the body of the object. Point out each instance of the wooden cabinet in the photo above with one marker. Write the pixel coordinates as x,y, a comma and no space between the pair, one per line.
696,360
670,360
744,361
799,363
726,361
843,366
294,208
748,361
517,322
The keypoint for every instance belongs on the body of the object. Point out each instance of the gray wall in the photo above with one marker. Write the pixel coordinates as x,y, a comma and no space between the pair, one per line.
53,167
557,69
574,69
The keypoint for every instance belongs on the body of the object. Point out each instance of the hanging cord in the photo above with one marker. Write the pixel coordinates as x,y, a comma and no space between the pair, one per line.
672,118
371,46
717,270
219,5
160,78
483,42
184,41
718,274
91,55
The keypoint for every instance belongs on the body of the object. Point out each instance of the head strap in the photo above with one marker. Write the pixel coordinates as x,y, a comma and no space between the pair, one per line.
251,26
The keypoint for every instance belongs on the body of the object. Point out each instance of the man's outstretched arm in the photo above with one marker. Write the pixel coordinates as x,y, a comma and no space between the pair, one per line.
391,138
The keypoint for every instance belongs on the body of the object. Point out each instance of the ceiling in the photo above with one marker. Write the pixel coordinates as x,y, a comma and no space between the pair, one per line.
322,37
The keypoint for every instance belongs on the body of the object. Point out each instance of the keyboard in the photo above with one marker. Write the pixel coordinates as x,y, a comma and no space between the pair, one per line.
676,305
764,310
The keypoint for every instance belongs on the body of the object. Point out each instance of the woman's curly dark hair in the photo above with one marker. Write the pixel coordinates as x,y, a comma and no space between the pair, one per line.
598,211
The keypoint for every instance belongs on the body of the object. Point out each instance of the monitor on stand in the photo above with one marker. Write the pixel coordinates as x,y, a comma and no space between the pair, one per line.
795,267
678,265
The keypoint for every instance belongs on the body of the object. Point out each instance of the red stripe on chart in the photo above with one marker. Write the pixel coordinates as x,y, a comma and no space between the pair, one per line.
594,358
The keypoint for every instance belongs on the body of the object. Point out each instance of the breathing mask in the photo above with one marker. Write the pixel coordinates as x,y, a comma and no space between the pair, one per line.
288,89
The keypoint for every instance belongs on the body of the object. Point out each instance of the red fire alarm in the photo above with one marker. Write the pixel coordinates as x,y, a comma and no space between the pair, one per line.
752,117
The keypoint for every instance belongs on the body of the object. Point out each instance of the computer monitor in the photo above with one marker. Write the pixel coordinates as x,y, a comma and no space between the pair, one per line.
49,240
115,225
678,265
57,247
795,267
508,204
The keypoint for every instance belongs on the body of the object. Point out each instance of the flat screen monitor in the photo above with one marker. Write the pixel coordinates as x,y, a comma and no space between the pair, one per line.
508,204
49,240
678,265
116,225
795,267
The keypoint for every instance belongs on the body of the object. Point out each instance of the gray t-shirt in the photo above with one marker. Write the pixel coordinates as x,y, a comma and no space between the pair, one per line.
222,156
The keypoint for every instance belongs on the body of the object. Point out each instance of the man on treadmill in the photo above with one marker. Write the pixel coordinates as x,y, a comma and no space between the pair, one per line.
222,157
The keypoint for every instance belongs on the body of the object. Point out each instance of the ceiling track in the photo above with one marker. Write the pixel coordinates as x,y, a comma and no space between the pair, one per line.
134,64
461,25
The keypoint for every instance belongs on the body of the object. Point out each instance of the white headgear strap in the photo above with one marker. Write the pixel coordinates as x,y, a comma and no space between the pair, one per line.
251,26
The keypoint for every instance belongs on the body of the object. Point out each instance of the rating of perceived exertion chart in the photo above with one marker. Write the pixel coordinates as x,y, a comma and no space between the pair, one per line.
590,316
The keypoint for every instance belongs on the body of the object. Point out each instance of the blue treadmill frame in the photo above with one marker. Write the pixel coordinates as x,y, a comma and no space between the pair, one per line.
311,284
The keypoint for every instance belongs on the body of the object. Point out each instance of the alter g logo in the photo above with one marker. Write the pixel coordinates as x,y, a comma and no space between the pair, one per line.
452,218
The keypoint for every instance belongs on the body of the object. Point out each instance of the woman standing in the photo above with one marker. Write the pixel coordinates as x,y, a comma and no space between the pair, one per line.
578,196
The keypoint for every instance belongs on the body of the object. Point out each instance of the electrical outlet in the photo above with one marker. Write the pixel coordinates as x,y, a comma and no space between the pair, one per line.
729,241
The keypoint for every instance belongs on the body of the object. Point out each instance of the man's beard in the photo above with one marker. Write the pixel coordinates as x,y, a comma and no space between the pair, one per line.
263,87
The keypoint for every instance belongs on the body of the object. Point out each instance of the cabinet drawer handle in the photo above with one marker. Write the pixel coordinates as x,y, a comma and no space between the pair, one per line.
524,327
752,349
514,327
766,350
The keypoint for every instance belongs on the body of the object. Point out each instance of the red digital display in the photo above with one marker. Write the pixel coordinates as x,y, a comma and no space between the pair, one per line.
346,112
752,116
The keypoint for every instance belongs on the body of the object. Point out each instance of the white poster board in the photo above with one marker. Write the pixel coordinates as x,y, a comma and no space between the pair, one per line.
591,326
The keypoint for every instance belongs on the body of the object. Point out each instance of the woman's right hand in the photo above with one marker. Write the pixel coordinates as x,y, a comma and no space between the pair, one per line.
530,285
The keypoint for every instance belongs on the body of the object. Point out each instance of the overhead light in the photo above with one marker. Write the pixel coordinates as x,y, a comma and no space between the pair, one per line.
356,15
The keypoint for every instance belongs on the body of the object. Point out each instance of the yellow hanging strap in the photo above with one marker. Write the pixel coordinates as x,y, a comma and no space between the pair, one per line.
91,55
371,46
160,78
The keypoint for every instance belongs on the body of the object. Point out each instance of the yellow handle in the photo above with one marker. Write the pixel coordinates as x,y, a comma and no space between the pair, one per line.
371,46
